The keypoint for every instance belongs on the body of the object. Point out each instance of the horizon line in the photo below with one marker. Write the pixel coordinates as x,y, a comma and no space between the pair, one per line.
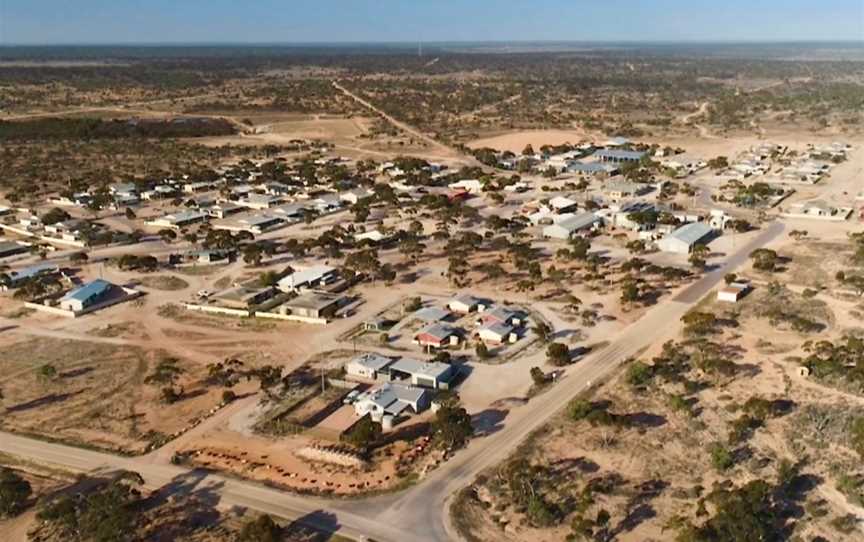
337,43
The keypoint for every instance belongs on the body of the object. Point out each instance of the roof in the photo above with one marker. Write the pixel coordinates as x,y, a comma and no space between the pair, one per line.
33,270
616,154
593,167
498,328
501,313
431,314
372,361
692,233
394,398
432,369
467,299
9,246
257,220
438,331
308,275
314,300
621,186
89,290
559,202
577,222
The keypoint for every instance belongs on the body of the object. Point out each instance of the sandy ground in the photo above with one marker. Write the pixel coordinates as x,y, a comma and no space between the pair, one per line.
516,141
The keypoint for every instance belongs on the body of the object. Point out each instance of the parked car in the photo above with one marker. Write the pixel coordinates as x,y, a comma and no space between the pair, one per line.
351,397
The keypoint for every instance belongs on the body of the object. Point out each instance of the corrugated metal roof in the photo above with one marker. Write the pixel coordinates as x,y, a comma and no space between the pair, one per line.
692,233
89,290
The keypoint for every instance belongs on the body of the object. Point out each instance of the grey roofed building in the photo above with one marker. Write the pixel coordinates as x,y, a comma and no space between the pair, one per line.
564,229
591,168
10,248
392,399
682,240
312,276
502,314
617,156
431,374
368,364
431,314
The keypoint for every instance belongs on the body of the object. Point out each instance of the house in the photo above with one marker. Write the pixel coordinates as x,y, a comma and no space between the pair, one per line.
569,226
178,220
619,190
70,230
500,314
592,168
87,295
276,188
431,314
497,333
561,204
30,222
315,305
313,277
618,156
11,248
733,292
293,212
224,209
437,335
254,224
211,257
242,297
15,279
424,374
353,196
373,236
684,164
616,142
683,239
464,304
391,400
328,203
368,365
472,186
621,214
819,209
260,201
191,188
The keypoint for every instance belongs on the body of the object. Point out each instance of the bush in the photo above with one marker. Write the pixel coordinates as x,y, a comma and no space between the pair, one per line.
558,354
721,457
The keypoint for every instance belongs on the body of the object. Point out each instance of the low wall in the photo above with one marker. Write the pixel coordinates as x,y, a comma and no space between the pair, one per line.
291,318
218,310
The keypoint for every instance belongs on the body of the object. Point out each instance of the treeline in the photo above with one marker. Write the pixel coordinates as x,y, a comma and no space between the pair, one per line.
89,128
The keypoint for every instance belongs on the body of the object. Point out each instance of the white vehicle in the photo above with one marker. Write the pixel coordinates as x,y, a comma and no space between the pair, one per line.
351,397
203,293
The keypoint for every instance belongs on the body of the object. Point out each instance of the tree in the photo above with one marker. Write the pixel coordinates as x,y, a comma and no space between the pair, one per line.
528,150
764,259
629,292
167,235
698,255
482,350
542,330
558,354
364,433
729,278
54,216
260,529
452,426
14,493
130,214
579,247
79,258
538,376
47,372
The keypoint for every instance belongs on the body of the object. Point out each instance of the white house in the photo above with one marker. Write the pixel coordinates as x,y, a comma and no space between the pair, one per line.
682,240
569,226
472,186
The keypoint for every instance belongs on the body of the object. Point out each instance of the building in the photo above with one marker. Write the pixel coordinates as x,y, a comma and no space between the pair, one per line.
242,297
391,400
178,220
369,365
683,239
313,277
818,209
684,164
260,201
562,204
619,190
432,374
472,186
224,209
15,279
87,295
464,304
437,335
618,156
502,315
569,226
315,305
431,314
497,333
11,248
254,224
592,168
733,292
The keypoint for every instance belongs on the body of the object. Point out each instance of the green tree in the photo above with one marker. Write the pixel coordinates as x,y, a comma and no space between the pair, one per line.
558,354
364,433
14,493
452,426
538,376
260,529
482,350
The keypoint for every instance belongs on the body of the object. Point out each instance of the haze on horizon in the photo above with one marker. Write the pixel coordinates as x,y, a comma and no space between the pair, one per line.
93,22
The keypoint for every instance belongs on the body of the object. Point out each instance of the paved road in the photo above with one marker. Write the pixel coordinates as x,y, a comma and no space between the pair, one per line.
420,513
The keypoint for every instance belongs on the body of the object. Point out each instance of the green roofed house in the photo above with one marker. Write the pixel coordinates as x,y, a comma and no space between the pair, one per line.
87,295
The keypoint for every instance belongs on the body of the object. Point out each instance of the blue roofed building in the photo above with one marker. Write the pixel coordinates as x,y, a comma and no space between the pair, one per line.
87,295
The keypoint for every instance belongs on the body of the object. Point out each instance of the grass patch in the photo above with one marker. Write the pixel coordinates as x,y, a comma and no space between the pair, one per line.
167,283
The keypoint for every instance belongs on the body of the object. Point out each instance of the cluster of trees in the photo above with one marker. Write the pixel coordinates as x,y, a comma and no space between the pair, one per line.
94,128
15,493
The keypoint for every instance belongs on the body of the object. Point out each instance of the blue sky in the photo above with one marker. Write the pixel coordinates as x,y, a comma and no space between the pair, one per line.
146,21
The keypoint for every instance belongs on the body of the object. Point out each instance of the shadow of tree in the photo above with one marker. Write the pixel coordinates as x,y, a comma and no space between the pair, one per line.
44,401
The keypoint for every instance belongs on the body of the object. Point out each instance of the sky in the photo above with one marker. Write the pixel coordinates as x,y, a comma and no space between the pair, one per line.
305,21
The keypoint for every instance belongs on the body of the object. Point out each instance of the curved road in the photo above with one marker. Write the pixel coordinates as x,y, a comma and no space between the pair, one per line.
420,513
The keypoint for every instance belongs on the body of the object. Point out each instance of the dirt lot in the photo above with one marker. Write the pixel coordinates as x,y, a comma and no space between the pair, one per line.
96,394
